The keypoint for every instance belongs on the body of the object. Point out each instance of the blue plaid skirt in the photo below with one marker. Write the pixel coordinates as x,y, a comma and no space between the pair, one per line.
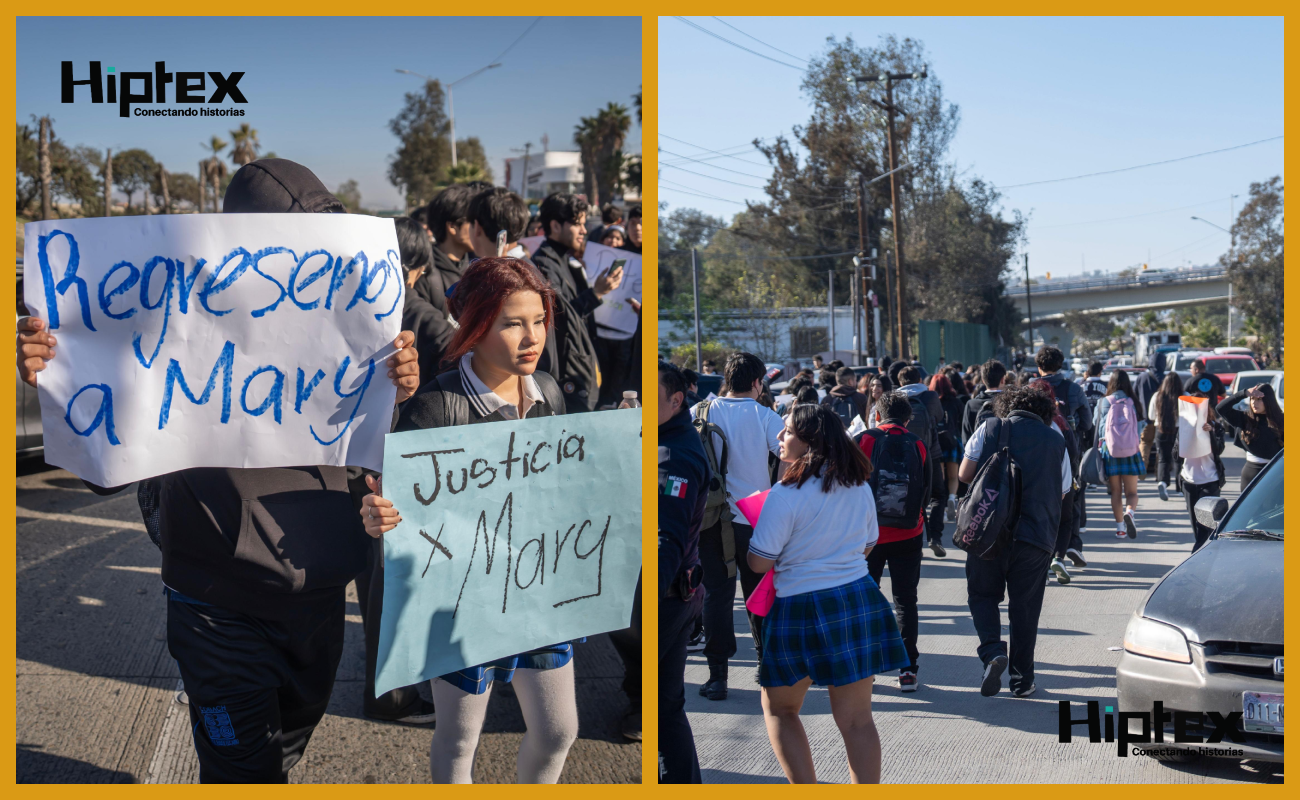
475,680
835,636
1132,465
952,456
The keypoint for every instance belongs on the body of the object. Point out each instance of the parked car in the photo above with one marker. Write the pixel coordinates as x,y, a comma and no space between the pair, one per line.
1208,636
1226,367
709,384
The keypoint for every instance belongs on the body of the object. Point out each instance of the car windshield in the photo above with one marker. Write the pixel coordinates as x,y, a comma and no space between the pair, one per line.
1184,360
1244,382
1218,365
1260,507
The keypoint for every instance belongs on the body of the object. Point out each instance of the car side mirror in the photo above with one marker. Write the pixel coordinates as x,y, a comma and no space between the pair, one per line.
1209,510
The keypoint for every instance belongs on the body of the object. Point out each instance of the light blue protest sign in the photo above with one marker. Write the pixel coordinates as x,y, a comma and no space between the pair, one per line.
514,535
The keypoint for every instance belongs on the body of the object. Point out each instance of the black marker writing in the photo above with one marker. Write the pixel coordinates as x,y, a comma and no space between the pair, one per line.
437,477
437,545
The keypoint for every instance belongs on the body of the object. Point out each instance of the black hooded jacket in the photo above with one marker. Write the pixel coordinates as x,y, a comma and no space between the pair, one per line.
263,542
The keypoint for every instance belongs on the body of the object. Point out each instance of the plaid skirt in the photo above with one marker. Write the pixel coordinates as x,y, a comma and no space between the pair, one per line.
835,636
1131,465
476,680
952,456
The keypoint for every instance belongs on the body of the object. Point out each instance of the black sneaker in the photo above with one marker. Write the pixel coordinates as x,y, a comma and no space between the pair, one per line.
1129,526
936,547
422,715
907,681
1023,691
714,689
992,683
1076,557
696,643
951,513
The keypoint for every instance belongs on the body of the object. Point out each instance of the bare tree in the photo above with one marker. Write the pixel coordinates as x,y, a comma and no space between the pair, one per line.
108,182
47,209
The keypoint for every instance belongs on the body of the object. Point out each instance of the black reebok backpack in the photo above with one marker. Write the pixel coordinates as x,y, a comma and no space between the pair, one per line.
897,477
988,514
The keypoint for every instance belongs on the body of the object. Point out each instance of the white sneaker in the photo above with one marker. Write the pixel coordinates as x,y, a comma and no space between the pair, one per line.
1163,490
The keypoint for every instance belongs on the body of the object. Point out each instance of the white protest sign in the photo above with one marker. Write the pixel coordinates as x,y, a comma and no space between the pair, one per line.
1193,442
514,535
614,317
214,340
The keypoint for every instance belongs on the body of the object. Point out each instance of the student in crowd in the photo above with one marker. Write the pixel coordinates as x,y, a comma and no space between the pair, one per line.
993,374
1017,570
751,432
817,363
844,399
1162,413
957,380
1260,425
427,320
633,225
681,597
571,354
1199,374
263,649
1145,386
1122,432
1094,388
692,387
447,217
505,308
949,436
910,384
612,236
708,368
1204,476
610,215
498,217
789,395
829,624
1049,361
1068,543
879,385
807,394
900,484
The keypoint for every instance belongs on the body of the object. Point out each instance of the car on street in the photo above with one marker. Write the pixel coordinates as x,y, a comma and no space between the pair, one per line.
709,384
1208,637
1225,366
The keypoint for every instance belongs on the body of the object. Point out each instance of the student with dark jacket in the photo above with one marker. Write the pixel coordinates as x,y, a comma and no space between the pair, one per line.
571,351
993,374
256,630
844,399
682,495
633,243
447,217
505,308
1018,570
910,384
1077,411
429,322
1260,425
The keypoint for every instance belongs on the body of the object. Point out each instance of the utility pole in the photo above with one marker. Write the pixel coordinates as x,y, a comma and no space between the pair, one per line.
108,183
695,284
47,208
203,184
1029,305
889,306
865,285
830,305
523,184
891,111
166,195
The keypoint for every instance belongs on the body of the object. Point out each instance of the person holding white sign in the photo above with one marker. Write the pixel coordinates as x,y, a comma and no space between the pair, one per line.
1200,436
255,562
505,308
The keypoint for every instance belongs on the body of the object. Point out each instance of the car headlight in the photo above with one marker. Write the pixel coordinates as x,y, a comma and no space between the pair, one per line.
1152,639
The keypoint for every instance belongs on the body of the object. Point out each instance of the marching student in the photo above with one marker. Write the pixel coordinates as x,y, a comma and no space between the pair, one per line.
1117,420
829,624
993,375
1204,476
949,434
909,379
1260,425
1068,543
505,308
1162,412
494,214
257,646
900,483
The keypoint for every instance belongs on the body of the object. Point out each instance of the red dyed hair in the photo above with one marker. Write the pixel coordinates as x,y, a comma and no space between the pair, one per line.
482,292
1046,388
942,386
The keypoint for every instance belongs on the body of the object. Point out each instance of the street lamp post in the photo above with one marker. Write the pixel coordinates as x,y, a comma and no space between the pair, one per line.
1231,248
451,106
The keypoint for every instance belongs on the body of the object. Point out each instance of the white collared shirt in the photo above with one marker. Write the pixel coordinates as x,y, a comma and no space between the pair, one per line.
486,401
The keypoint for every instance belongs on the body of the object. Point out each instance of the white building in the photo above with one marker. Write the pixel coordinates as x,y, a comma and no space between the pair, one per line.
548,171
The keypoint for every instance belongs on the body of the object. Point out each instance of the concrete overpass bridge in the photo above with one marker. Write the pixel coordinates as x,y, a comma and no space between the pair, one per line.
1117,296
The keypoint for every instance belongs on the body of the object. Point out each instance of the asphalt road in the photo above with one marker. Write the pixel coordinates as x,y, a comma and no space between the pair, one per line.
96,685
946,732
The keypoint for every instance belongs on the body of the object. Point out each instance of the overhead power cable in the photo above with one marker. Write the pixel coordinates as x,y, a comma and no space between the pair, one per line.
760,41
712,166
1139,166
672,186
716,153
710,177
516,41
702,29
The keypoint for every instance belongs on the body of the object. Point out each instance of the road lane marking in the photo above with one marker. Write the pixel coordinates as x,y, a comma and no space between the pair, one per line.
77,519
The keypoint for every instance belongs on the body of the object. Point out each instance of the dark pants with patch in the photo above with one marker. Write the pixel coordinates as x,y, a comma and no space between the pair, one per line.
676,742
904,561
720,594
1019,571
257,687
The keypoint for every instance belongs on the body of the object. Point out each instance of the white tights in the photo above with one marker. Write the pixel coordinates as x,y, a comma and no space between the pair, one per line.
550,708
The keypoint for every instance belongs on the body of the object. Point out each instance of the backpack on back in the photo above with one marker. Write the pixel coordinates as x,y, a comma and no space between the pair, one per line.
985,413
897,478
1121,428
920,425
987,515
843,408
716,507
1093,390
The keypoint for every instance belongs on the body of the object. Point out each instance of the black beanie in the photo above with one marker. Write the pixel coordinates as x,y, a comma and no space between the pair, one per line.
278,186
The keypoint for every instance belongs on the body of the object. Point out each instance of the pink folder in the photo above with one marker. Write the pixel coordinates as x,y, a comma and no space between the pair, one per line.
764,595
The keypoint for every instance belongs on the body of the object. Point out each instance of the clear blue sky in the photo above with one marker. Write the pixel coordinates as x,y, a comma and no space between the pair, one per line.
1040,98
322,90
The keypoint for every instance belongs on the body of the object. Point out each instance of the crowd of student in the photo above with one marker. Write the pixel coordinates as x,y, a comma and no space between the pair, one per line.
490,334
860,474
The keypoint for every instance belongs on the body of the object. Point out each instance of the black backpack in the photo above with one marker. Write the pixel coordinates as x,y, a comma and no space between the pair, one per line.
985,413
897,478
987,515
843,408
920,425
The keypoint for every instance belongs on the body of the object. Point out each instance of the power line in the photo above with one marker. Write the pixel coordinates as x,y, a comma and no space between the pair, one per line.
717,153
1139,166
1131,216
733,44
712,166
673,188
710,177
760,41
516,41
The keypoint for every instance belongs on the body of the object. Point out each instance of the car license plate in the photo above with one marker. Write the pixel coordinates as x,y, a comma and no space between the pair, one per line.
1262,712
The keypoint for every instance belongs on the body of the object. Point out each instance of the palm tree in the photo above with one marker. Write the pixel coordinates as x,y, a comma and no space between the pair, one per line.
246,145
611,126
584,136
465,172
214,169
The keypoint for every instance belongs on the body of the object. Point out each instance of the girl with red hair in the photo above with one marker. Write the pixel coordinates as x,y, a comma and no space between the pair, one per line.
505,309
